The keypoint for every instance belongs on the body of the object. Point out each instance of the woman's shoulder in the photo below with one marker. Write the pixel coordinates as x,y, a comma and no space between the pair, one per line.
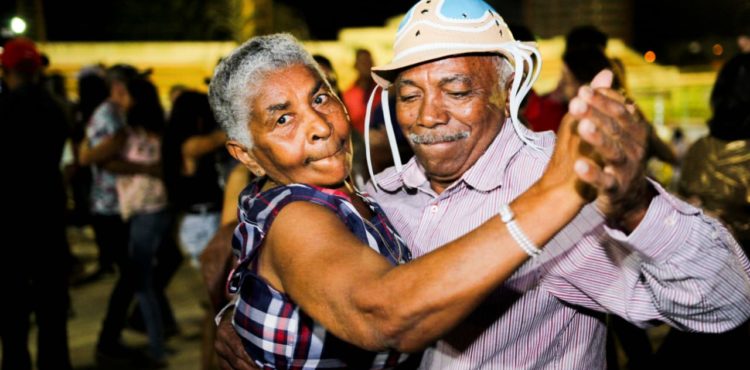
258,210
261,206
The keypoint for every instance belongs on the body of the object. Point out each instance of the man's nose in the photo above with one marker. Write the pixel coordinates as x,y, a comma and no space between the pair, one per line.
432,112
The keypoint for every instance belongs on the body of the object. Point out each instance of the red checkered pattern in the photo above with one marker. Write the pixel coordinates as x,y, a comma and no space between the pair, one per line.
275,331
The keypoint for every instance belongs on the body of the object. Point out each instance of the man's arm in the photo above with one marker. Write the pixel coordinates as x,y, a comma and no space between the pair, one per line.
655,258
231,353
678,266
216,261
107,149
199,145
617,135
364,300
121,167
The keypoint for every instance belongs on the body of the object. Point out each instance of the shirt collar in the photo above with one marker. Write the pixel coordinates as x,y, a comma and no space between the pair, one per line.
489,170
485,175
412,176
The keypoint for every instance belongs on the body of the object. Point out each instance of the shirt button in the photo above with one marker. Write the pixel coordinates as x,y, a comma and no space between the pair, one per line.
434,209
670,221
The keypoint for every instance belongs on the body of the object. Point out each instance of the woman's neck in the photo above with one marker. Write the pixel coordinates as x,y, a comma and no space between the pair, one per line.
346,187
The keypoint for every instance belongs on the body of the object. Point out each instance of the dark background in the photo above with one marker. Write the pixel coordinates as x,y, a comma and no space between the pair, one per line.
657,25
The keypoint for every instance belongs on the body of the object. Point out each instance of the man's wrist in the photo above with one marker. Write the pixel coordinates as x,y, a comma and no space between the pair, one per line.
632,209
548,209
508,218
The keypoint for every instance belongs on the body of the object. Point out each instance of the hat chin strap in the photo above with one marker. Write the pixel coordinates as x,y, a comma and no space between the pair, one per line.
367,137
388,129
522,83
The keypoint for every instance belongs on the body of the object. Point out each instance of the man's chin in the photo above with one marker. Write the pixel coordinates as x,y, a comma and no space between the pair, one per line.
445,150
444,169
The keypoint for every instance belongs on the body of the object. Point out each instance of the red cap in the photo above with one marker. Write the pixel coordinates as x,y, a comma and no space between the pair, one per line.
21,54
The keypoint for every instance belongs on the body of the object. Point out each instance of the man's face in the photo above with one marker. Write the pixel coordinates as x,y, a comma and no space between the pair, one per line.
450,110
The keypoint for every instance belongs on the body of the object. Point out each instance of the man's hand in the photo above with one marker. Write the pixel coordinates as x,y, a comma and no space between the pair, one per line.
560,170
216,262
228,346
618,135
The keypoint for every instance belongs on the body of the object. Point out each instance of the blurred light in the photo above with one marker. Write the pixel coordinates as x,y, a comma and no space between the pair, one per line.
650,56
17,25
718,49
694,47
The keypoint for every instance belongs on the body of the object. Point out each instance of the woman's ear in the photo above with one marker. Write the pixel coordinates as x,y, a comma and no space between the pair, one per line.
242,154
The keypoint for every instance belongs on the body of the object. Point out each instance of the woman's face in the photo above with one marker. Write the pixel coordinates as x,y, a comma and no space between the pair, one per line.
300,129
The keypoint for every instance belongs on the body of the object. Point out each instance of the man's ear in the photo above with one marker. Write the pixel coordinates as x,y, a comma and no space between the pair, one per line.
240,153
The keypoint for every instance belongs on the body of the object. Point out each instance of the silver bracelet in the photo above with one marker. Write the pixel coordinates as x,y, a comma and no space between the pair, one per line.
507,216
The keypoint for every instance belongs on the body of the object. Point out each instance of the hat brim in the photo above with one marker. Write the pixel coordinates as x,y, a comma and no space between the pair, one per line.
386,74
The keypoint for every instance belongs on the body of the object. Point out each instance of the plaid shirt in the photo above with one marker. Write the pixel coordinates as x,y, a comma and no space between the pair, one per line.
275,331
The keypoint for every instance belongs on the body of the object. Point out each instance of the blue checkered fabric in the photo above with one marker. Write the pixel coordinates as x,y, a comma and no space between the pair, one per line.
275,331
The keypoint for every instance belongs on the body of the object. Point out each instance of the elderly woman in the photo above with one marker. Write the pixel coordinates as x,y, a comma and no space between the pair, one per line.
322,271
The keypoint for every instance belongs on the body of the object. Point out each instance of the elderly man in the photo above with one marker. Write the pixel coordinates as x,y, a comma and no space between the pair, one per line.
636,251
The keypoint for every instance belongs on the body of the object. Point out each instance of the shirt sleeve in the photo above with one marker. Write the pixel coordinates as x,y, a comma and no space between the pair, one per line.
104,123
678,266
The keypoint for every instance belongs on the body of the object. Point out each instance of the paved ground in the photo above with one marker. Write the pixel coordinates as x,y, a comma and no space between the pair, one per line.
89,302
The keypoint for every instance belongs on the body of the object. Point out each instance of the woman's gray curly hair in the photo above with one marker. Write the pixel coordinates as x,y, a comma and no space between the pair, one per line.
239,77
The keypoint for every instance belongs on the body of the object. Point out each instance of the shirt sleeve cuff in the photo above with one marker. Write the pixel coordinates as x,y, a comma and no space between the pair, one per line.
663,229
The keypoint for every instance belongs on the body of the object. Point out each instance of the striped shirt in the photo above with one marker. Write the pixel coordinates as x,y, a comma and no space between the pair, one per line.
678,266
275,332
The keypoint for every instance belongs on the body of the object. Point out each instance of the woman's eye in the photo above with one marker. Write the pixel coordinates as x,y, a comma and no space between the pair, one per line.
459,94
283,119
320,99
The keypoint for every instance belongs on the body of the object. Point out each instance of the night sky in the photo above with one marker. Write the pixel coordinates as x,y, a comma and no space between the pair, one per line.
656,23
96,20
325,18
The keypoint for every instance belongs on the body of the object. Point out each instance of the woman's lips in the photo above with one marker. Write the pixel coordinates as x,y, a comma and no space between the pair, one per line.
341,148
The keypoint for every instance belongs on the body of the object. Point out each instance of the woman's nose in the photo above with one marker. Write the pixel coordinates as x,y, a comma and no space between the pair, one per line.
318,128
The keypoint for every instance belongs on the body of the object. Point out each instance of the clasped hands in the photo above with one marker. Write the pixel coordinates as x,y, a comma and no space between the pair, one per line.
604,138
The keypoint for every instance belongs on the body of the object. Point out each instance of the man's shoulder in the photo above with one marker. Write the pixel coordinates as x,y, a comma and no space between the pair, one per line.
545,145
389,179
517,146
